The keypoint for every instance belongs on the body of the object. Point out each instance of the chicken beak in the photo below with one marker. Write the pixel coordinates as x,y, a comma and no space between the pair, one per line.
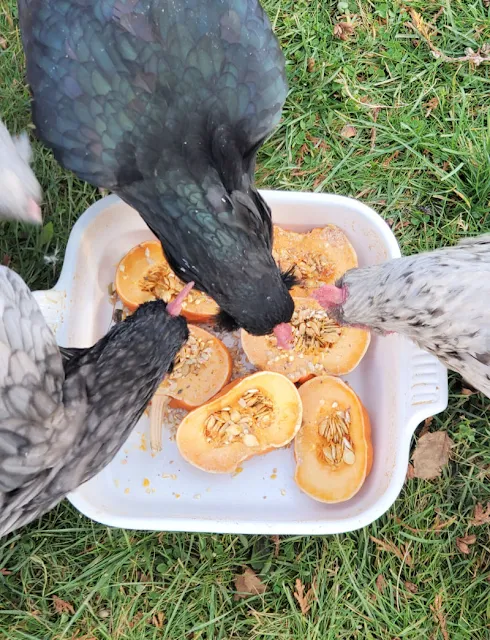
330,296
175,307
284,335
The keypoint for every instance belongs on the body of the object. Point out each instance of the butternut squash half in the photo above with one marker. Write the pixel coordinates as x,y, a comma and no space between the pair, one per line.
201,369
144,274
318,257
333,449
320,345
258,413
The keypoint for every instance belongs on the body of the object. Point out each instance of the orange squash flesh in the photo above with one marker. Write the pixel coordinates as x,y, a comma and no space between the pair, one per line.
143,274
203,443
201,369
317,473
339,351
319,257
191,385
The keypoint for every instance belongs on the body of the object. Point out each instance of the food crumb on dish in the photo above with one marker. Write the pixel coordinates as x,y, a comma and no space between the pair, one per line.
177,495
197,496
146,482
116,483
283,492
237,472
143,446
126,490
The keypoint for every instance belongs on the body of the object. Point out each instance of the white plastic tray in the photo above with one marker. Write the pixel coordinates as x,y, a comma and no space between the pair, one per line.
399,385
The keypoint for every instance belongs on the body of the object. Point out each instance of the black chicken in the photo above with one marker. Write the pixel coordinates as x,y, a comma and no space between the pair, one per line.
439,299
166,103
63,416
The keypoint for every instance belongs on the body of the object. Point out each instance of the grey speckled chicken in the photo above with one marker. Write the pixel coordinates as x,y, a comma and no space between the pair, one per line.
20,192
63,419
439,299
166,103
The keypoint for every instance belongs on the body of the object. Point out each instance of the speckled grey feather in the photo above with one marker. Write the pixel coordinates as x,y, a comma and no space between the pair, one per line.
439,299
62,422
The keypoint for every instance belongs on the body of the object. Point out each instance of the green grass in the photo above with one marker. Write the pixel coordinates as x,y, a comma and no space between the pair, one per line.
428,175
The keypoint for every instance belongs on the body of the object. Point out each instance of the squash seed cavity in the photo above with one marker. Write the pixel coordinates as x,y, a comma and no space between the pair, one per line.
232,424
336,445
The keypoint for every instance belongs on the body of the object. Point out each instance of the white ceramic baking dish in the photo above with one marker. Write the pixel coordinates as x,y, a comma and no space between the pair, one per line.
399,385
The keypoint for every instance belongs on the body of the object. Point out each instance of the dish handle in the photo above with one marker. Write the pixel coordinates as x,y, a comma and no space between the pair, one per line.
428,393
52,303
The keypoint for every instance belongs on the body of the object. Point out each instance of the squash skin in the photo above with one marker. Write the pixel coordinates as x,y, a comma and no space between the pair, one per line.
192,441
131,269
314,475
341,359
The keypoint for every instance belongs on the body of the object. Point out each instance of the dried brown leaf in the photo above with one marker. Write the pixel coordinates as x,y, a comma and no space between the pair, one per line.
61,606
247,584
343,30
431,455
387,162
431,105
410,472
5,572
304,599
380,583
464,543
311,65
277,545
482,516
436,609
158,620
348,131
404,556
3,43
410,586
468,392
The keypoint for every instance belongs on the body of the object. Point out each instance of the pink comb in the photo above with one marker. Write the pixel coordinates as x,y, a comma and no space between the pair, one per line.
175,307
284,335
330,296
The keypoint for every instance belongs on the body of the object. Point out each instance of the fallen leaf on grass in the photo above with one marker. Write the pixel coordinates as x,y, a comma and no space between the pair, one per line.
348,131
248,583
463,544
436,609
431,105
390,548
387,162
277,544
482,516
61,606
5,572
431,455
468,392
310,65
380,583
343,30
305,600
410,586
158,620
